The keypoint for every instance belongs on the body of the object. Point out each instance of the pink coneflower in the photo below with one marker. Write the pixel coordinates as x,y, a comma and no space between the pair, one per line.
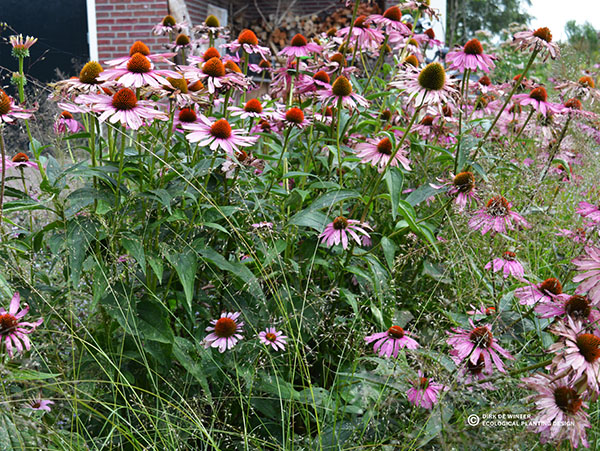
560,410
497,216
577,352
252,109
182,42
576,307
9,111
424,392
540,39
274,338
463,187
86,82
477,342
473,373
21,160
123,107
590,273
218,134
66,122
13,332
429,86
214,75
138,71
378,152
20,47
362,36
248,42
471,56
185,116
546,291
389,343
320,80
341,90
579,235
337,232
583,89
589,211
423,7
300,47
509,265
168,25
39,404
140,47
538,99
225,332
242,160
263,225
293,117
391,20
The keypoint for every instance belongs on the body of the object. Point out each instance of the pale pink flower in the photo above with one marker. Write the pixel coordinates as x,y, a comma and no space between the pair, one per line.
540,39
378,153
274,338
560,410
424,392
546,291
20,160
66,123
538,99
497,216
140,47
39,404
341,90
136,72
293,117
13,331
471,57
337,232
429,86
583,89
391,20
576,307
589,211
577,351
248,42
9,111
463,187
362,36
589,268
123,107
168,25
389,343
225,332
473,373
477,342
217,134
509,265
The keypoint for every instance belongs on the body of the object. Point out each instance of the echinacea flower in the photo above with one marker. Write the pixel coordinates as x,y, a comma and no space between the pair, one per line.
225,332
86,82
13,331
546,291
424,392
463,187
363,35
538,99
560,407
140,47
576,307
429,86
39,404
182,42
337,232
123,107
263,225
214,75
497,216
391,20
577,352
471,57
168,25
378,153
9,111
20,47
479,341
252,109
21,161
138,71
582,89
341,91
537,40
589,211
300,47
293,117
473,373
248,42
509,265
589,268
274,338
217,134
389,343
66,123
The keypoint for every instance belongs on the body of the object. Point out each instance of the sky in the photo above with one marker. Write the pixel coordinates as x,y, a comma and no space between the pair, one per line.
554,14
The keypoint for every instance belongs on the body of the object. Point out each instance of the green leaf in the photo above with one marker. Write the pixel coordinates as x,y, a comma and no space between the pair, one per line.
153,322
389,249
120,305
421,193
18,375
133,245
307,218
394,180
184,350
330,199
80,233
185,264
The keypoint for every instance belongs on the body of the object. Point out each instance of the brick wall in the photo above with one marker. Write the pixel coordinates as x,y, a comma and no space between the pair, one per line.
122,22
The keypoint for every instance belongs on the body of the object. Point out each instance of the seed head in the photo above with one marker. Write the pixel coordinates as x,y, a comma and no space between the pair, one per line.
433,77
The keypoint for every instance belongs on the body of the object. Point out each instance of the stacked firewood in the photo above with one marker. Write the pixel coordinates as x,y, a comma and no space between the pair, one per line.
276,32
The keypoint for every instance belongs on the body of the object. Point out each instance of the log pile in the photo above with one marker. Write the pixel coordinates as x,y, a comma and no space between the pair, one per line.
276,32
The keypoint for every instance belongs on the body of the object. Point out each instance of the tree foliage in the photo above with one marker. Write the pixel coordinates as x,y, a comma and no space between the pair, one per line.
584,38
465,17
